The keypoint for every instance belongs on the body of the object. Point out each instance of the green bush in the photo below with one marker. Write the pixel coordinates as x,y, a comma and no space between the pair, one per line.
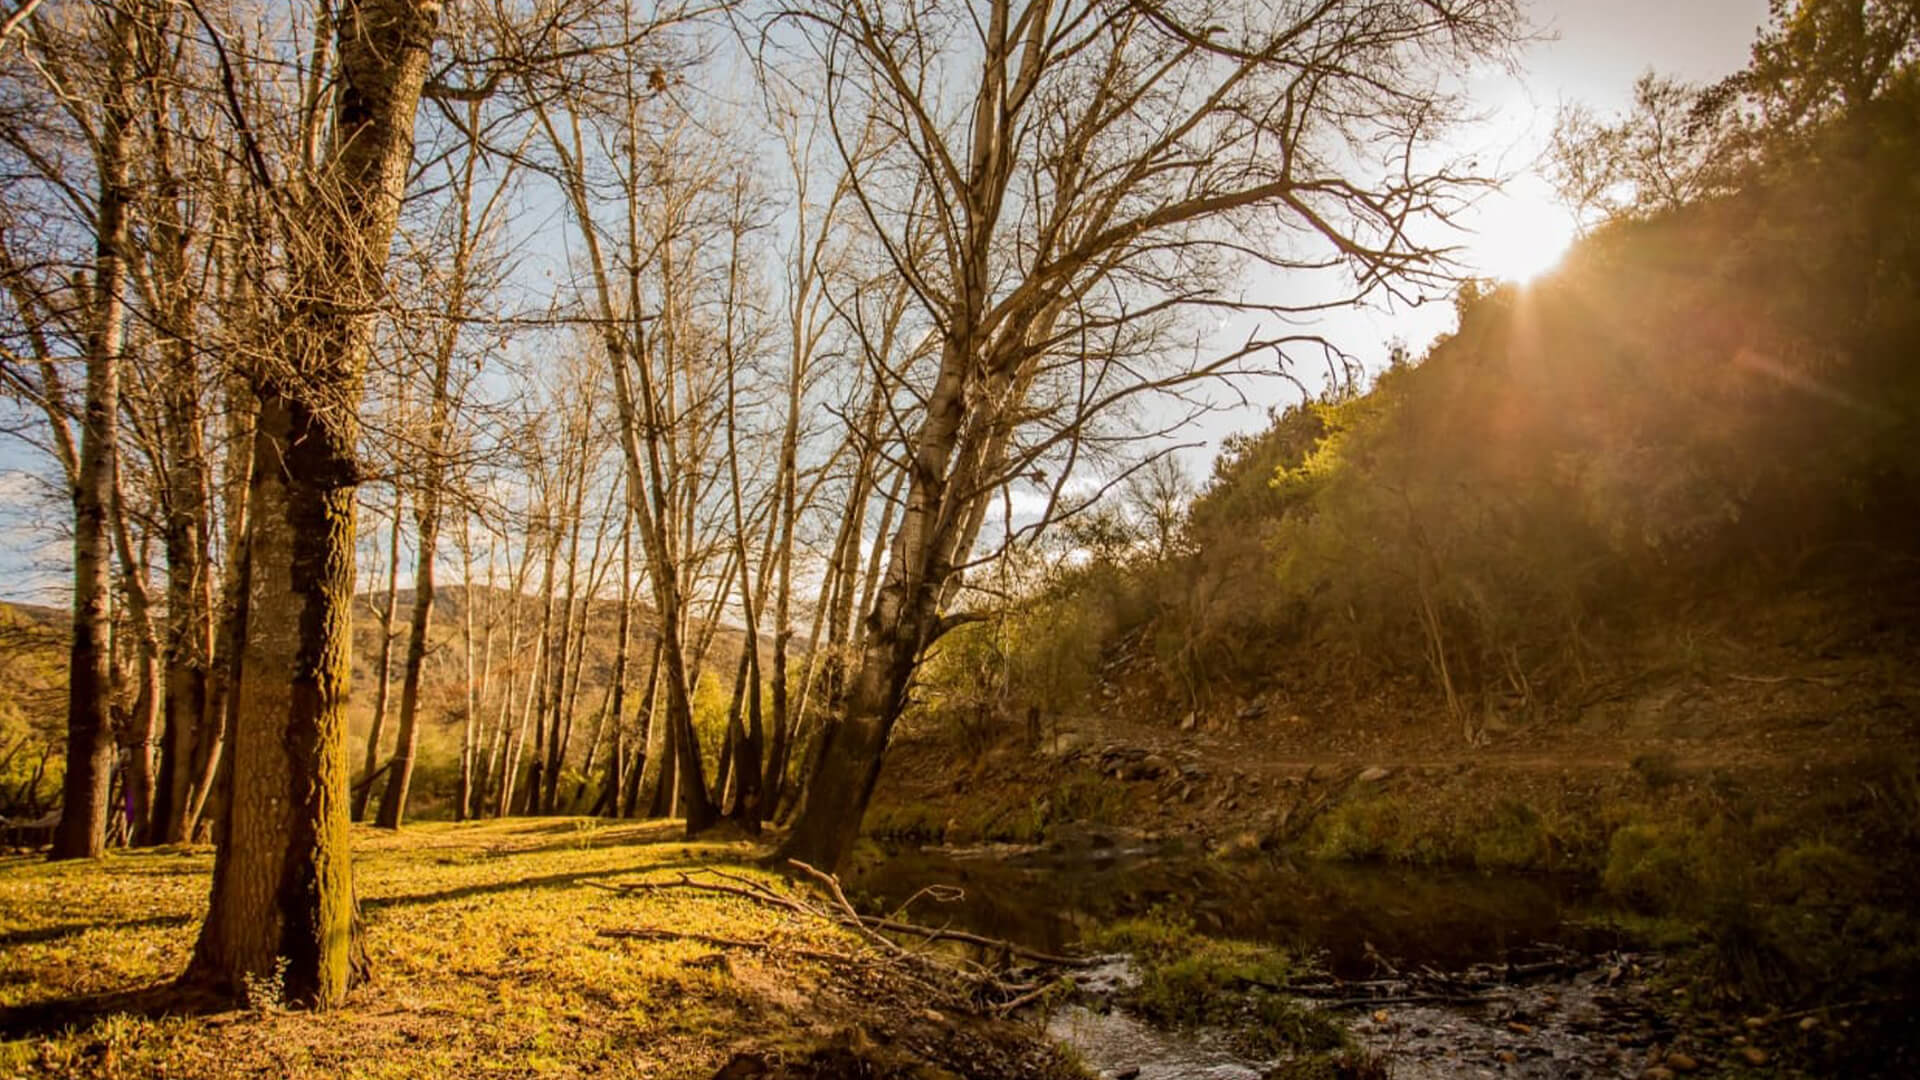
1515,839
1651,867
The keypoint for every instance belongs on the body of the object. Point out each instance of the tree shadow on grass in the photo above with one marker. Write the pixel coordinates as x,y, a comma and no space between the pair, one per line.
47,1019
372,905
599,833
40,935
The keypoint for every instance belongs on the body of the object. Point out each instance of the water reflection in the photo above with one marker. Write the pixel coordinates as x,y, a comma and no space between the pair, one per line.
1356,917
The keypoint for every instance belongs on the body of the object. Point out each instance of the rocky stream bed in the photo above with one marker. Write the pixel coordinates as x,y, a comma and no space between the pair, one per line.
1441,975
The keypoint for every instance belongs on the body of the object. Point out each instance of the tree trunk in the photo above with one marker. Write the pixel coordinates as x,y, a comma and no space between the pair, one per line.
282,899
209,744
393,805
643,751
189,494
609,800
139,733
900,623
363,792
641,429
847,763
470,729
83,821
517,743
282,884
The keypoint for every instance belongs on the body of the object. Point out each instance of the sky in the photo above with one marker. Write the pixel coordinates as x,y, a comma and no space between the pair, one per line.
1588,53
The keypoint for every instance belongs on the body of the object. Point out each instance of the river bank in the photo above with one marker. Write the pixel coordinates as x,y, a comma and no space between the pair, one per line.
1762,873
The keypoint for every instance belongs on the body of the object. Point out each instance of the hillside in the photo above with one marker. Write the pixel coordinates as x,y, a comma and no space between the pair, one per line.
1615,581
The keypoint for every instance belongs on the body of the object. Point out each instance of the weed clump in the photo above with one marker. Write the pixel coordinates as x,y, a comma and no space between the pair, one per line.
1188,980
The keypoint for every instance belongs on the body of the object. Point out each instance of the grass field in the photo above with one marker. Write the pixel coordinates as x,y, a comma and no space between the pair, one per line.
488,959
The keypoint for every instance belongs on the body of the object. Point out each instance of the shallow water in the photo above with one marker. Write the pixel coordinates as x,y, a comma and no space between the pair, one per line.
1352,917
1360,922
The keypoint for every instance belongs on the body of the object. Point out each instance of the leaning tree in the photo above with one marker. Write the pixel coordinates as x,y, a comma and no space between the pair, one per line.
1064,181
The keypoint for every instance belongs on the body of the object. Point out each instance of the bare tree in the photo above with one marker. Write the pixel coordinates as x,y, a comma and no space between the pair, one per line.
466,277
282,888
1083,174
102,119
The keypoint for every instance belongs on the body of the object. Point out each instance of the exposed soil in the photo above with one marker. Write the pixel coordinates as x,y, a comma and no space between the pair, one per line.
1791,714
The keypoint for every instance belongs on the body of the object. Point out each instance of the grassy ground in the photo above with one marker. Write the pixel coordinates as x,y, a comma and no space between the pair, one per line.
488,960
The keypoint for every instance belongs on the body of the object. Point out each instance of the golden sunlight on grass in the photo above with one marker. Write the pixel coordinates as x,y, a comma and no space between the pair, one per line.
487,957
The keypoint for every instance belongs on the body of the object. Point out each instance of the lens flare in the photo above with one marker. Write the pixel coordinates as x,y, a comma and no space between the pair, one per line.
1520,234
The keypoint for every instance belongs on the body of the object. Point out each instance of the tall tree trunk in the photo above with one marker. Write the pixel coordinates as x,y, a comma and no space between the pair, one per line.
393,804
363,792
282,880
904,617
188,488
643,749
463,801
545,672
209,745
139,732
609,800
500,746
517,744
83,820
641,430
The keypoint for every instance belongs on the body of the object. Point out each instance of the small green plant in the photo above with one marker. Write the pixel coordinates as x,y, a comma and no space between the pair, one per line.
266,991
1190,980
1650,867
1364,829
1817,871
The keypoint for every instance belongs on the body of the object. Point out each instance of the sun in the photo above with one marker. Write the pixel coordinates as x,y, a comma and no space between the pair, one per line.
1518,234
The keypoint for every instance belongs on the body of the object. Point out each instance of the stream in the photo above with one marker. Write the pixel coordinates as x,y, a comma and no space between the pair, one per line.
1592,1017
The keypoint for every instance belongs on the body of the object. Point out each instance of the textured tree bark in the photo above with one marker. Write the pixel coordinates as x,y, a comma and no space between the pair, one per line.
189,486
282,882
847,764
282,900
849,752
83,822
189,620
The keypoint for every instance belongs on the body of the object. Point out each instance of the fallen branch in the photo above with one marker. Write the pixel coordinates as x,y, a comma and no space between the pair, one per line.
757,893
1026,999
1011,949
846,916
